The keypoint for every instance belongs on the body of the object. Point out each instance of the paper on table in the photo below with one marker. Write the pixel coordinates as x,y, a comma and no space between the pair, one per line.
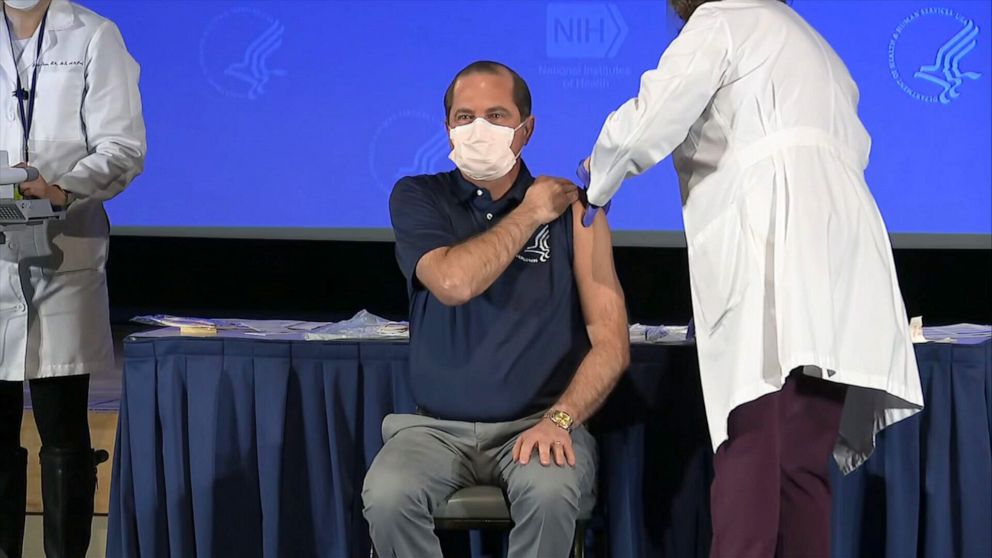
966,334
181,322
640,333
257,327
278,327
363,325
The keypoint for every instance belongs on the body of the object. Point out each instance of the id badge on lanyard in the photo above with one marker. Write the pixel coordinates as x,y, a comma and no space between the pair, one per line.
23,95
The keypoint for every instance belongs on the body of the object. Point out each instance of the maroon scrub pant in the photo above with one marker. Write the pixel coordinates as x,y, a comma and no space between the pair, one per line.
771,494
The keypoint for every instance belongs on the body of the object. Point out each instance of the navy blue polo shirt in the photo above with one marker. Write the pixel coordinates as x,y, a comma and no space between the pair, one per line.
509,352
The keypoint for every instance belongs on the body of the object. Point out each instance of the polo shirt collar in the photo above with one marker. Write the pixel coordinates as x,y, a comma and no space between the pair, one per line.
466,191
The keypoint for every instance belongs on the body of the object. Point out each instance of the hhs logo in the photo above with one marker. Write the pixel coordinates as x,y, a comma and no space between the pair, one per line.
407,143
584,30
235,52
931,45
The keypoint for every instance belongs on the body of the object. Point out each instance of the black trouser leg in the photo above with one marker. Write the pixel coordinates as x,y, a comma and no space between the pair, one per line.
60,411
13,470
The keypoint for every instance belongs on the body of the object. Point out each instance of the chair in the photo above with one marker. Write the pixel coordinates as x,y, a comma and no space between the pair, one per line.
486,507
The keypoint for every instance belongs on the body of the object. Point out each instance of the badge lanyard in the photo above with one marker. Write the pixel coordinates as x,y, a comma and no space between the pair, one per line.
27,116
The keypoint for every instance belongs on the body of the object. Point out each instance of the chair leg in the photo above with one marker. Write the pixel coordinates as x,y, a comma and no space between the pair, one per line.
579,541
602,543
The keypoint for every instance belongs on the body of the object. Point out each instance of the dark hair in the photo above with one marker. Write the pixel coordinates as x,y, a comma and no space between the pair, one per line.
521,93
684,8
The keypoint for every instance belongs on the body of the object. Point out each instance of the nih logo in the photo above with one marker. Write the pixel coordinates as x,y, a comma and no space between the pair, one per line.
584,30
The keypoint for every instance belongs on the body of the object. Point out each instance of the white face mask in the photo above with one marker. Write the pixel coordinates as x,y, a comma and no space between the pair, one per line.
22,4
482,150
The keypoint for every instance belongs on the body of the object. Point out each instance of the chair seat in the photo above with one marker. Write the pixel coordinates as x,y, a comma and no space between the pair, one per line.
475,502
488,503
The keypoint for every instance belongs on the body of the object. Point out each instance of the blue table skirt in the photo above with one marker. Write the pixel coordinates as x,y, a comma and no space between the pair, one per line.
232,447
927,491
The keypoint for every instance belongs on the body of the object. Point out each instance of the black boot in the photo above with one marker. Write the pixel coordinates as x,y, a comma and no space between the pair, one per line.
68,483
13,497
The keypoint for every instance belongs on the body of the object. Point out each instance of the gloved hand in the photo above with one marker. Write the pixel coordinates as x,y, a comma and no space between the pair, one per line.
589,216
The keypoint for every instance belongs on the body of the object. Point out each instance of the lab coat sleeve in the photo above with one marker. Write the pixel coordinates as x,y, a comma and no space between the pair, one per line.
111,114
647,128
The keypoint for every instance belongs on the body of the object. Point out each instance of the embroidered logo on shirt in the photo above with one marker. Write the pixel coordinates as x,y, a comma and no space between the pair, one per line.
539,251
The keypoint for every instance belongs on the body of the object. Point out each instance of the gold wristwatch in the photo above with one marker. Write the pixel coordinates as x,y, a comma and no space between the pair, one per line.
561,419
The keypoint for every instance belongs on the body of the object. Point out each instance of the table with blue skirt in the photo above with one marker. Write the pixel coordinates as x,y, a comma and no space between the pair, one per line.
248,447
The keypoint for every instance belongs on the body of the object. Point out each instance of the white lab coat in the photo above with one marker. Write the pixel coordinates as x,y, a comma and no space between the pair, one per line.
790,262
88,137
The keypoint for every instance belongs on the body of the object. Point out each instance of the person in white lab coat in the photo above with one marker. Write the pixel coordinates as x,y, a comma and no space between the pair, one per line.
794,289
69,106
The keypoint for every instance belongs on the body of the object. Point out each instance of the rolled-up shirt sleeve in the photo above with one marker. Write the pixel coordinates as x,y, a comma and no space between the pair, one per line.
419,225
647,128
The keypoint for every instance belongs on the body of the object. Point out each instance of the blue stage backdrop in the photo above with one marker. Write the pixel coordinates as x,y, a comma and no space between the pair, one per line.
296,113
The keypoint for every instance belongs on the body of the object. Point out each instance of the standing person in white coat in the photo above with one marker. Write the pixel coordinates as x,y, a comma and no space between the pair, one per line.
793,285
69,106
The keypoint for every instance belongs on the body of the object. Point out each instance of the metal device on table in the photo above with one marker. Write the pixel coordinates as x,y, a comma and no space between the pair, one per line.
17,213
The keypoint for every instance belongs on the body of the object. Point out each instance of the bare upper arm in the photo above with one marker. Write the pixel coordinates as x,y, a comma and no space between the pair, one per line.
600,293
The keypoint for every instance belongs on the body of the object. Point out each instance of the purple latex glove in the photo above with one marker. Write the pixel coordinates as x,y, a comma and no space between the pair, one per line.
589,216
584,177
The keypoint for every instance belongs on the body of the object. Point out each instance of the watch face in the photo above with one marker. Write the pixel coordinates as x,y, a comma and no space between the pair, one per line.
563,418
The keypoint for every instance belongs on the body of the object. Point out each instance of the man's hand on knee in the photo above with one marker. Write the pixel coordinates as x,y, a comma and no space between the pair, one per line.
549,440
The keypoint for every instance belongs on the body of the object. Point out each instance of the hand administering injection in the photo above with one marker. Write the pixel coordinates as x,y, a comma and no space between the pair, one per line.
589,216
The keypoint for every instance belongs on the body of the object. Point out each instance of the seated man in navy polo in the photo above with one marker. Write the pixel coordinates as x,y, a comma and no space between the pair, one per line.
518,333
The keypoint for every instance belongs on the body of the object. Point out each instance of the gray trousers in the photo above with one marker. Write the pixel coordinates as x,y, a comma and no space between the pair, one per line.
425,460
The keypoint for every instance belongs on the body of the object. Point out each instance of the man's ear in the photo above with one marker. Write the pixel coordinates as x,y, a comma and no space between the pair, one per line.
447,131
528,129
